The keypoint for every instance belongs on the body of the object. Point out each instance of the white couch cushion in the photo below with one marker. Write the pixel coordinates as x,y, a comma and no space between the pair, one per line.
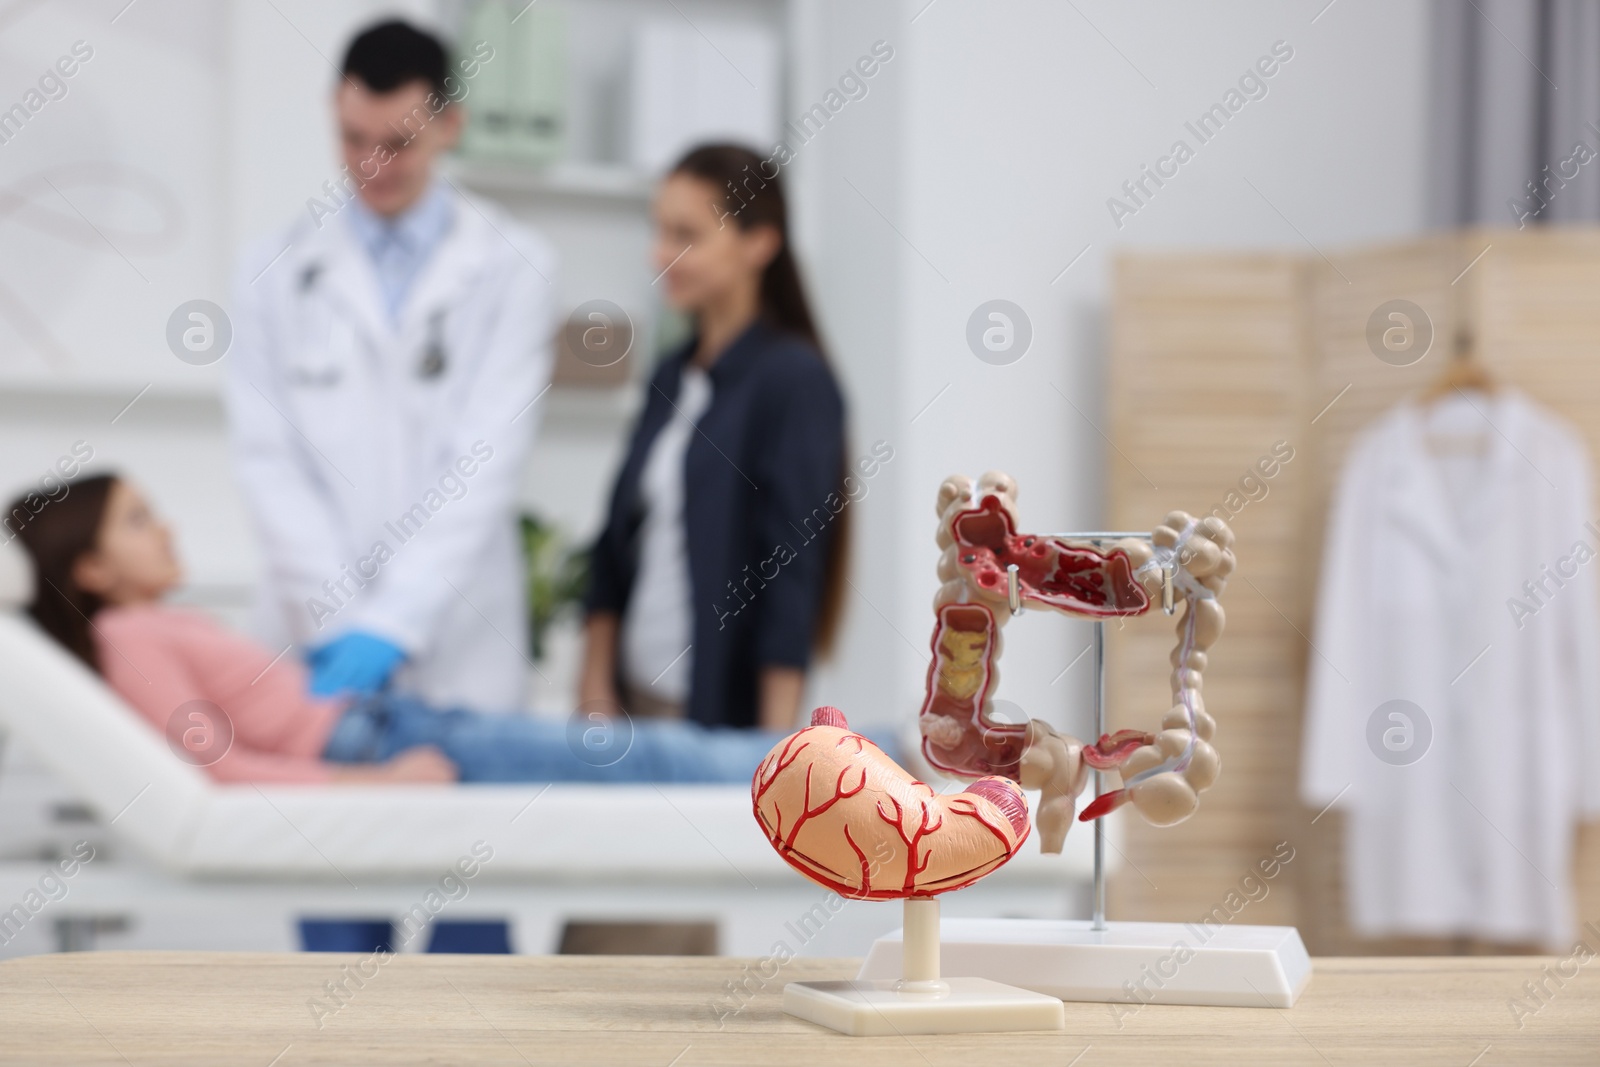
120,766
576,833
567,832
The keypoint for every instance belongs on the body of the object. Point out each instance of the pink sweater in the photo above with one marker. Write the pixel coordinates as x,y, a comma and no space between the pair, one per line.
158,658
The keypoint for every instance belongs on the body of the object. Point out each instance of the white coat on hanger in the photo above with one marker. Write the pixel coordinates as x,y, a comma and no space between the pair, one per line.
1428,555
345,422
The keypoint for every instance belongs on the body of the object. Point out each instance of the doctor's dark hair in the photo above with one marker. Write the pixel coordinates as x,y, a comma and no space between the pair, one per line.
385,56
56,537
754,197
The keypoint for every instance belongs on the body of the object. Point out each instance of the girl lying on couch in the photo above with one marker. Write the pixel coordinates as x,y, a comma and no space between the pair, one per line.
104,561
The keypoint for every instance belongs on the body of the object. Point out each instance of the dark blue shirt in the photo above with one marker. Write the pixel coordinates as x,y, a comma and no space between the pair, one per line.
763,488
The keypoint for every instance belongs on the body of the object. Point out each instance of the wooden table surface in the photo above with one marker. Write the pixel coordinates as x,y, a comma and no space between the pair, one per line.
176,1008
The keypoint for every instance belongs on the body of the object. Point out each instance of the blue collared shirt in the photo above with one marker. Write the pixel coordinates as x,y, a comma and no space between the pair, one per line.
399,247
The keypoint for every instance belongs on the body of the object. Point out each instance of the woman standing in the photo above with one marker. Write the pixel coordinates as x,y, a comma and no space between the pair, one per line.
719,568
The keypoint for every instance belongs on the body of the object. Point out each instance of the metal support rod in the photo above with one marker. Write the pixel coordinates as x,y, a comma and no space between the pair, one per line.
1101,536
1099,777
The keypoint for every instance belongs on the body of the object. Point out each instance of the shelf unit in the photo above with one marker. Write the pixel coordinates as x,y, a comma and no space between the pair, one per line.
136,402
608,183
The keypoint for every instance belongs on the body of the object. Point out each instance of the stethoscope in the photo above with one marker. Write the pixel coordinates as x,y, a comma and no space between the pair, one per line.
435,354
435,357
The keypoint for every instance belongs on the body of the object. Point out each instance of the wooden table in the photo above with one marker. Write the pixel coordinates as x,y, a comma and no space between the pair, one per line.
175,1008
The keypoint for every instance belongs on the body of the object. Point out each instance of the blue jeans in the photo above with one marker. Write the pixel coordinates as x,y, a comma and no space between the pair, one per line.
516,748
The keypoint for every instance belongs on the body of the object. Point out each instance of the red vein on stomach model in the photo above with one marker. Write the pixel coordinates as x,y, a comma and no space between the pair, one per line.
1162,773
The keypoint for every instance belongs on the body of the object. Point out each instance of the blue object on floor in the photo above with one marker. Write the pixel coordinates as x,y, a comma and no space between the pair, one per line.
346,935
491,937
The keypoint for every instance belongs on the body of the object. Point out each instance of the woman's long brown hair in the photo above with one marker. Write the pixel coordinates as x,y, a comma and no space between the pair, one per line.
751,198
56,536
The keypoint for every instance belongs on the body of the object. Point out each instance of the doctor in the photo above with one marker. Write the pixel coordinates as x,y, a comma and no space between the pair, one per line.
389,345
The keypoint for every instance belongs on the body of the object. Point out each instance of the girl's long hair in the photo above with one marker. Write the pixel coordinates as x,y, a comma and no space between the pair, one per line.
56,536
753,198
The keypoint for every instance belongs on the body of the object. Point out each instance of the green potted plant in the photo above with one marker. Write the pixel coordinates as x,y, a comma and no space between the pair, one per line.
557,576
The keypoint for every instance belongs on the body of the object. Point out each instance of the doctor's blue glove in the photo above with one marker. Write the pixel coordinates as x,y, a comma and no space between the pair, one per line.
357,663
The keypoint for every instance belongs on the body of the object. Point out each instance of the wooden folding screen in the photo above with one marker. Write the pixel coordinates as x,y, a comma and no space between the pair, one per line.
1223,360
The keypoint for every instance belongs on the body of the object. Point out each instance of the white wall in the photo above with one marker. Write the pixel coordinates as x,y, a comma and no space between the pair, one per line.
853,265
111,194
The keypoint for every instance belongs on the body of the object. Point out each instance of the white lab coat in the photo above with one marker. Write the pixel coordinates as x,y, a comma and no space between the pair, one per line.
337,435
1425,558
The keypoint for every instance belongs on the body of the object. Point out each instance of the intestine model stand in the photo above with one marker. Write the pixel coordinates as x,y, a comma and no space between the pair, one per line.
845,815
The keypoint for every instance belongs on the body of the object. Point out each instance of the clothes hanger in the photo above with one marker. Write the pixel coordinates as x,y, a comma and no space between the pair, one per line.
1463,374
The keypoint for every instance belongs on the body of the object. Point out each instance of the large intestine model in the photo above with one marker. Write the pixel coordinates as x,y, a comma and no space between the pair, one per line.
1162,773
845,815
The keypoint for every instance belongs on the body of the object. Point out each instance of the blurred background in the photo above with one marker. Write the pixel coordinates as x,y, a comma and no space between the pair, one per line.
1176,315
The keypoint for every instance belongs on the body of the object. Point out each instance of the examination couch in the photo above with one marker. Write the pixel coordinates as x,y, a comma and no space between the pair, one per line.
181,861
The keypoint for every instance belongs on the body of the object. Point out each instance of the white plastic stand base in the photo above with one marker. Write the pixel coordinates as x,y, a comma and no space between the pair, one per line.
1132,963
915,999
884,1008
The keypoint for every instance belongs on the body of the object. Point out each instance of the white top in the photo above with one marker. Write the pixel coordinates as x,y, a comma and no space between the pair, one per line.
658,627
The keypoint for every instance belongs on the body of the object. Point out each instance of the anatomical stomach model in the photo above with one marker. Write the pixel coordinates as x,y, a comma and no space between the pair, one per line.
848,817
845,815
